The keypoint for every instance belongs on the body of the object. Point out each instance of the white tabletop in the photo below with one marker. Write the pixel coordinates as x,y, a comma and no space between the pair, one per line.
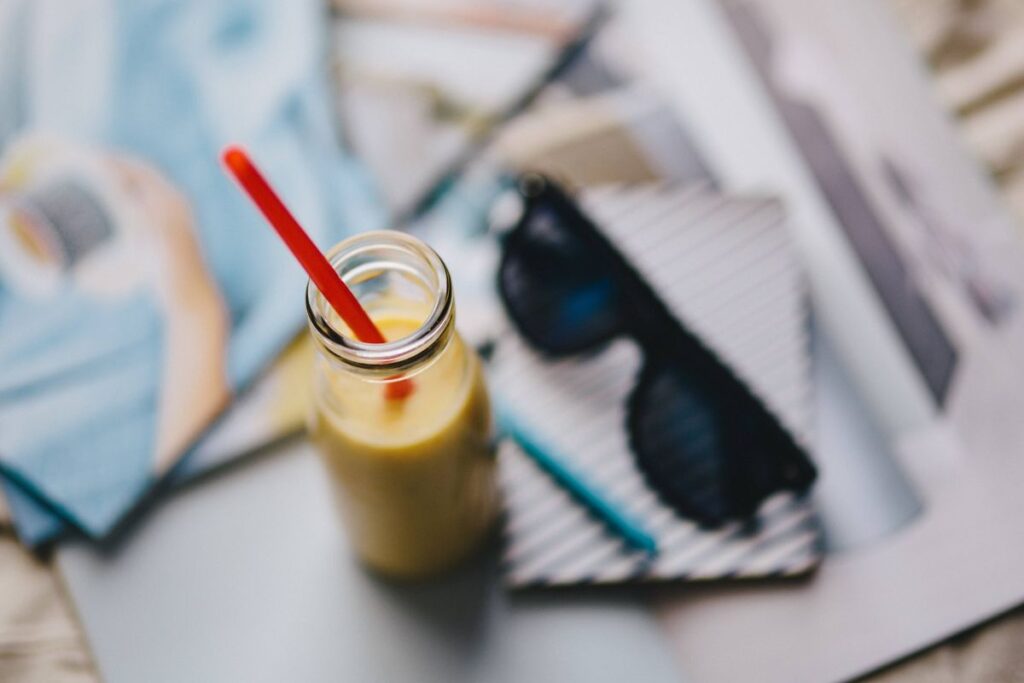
247,577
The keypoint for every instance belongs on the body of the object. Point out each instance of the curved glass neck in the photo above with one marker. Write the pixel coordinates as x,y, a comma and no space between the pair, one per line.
395,277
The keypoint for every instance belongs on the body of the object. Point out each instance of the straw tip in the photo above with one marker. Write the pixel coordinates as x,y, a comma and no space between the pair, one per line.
234,157
398,390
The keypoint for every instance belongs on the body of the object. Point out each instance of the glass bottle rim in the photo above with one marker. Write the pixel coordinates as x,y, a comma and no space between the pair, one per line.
349,260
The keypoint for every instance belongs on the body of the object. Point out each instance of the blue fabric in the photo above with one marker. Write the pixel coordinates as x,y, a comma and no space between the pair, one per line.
170,82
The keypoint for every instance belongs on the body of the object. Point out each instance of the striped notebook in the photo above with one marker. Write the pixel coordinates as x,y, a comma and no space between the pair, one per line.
726,268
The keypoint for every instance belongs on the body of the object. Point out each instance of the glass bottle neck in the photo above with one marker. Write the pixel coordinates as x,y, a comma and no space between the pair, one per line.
405,287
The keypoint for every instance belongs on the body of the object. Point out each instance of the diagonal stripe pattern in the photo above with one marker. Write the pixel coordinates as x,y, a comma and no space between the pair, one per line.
726,268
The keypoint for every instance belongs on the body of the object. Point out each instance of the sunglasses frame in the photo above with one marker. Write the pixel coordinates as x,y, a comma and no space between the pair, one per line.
663,340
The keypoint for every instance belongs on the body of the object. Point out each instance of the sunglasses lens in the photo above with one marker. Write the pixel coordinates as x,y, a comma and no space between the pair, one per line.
560,292
707,448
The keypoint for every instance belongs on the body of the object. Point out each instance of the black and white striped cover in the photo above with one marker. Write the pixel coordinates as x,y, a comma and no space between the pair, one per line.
727,269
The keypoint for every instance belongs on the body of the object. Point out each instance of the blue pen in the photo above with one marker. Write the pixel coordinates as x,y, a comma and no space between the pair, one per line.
631,530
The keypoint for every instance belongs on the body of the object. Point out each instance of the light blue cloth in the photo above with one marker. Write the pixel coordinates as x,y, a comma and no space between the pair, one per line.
170,81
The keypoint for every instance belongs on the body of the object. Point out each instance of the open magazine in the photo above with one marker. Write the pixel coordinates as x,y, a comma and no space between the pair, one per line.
139,292
916,277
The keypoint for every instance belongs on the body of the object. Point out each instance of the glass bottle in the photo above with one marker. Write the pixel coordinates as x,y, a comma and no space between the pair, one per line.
413,471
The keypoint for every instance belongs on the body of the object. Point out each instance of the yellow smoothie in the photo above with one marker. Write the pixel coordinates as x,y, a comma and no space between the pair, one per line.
415,478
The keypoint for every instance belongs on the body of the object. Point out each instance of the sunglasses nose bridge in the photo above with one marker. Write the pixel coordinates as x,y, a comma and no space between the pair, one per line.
650,325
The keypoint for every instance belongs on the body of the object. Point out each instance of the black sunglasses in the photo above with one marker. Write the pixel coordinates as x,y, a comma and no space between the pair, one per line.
703,442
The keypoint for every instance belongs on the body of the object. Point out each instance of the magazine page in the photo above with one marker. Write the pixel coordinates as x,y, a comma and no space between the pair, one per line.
139,293
916,280
940,250
736,127
419,85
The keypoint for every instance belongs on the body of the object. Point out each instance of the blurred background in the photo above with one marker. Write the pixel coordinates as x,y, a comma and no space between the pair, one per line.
861,168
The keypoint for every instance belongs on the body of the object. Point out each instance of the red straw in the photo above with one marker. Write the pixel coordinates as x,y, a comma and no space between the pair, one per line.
321,272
